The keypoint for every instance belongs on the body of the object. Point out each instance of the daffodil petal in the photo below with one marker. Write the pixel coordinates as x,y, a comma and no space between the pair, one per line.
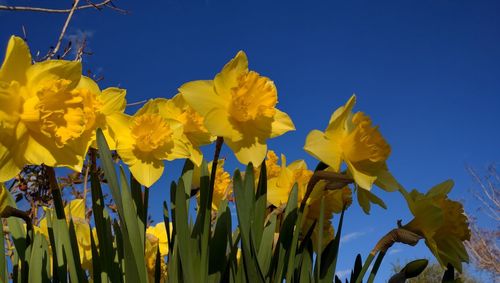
10,165
113,100
147,173
17,61
201,96
228,77
218,123
42,150
249,151
363,180
323,148
338,119
53,70
281,124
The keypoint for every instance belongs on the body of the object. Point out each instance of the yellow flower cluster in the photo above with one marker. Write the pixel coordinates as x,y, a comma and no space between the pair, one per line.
49,114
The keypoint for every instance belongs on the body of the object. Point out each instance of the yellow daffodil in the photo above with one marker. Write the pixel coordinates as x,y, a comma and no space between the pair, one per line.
75,210
335,201
281,181
239,105
103,110
4,197
222,185
351,137
156,238
441,222
42,116
148,140
160,232
193,127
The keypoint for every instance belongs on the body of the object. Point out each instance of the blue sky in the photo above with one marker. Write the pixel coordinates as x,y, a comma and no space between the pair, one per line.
426,71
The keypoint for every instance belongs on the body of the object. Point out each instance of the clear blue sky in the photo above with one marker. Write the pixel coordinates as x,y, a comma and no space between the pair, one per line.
427,72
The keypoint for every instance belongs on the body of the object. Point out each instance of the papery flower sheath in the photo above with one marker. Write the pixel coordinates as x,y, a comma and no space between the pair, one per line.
239,105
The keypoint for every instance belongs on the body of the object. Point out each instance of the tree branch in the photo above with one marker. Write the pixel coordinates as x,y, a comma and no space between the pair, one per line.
98,6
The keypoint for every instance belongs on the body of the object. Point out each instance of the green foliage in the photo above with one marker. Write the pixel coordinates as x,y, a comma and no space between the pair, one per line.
264,247
431,273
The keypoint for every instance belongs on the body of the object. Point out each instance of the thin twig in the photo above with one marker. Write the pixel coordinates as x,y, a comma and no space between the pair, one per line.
137,103
61,36
98,6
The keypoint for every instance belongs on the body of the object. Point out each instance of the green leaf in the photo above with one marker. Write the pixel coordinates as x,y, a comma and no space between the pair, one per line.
219,243
244,197
140,202
330,254
260,206
449,274
317,265
266,245
183,239
104,235
39,266
132,231
3,266
286,235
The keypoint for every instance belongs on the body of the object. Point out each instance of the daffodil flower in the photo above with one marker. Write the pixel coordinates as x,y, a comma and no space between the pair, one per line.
156,239
75,210
240,106
281,181
222,184
104,110
351,138
441,222
148,140
192,122
4,197
41,112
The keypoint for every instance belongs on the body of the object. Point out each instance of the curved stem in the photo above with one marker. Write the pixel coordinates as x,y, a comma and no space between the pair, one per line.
376,266
367,263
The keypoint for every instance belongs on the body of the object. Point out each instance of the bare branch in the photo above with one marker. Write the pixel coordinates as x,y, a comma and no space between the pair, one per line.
63,31
98,6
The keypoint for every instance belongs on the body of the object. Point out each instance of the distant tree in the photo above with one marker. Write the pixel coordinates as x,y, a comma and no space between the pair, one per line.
483,246
434,273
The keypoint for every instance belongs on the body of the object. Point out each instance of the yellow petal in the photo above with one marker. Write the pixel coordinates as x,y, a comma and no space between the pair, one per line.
201,96
363,180
247,151
147,172
228,77
17,61
337,122
114,100
323,148
42,150
218,123
75,209
386,181
281,124
117,124
11,163
4,197
53,70
89,84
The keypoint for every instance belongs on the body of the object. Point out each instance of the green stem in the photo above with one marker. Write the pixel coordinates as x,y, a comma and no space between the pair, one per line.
376,266
367,263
